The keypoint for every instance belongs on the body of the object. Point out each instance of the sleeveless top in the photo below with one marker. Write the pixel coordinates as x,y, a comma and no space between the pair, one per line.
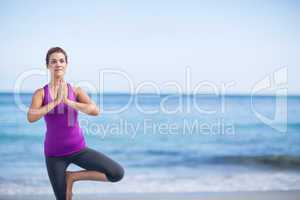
63,135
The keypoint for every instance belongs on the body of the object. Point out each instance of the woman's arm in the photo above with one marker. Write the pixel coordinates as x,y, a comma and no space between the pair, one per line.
84,104
36,110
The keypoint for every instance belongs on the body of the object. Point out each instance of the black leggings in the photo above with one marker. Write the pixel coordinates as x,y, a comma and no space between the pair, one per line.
88,159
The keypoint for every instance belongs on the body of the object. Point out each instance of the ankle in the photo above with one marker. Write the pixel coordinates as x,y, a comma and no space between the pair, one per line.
70,176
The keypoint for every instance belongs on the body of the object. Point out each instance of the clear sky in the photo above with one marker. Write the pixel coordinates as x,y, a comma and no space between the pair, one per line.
220,41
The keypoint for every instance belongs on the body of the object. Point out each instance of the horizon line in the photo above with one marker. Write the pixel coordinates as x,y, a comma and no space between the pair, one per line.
168,93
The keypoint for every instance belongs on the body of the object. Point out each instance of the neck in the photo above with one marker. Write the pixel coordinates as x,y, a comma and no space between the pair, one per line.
55,81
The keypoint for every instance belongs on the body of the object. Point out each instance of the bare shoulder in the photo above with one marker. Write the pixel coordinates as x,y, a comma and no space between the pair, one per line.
81,95
75,89
39,92
37,97
78,91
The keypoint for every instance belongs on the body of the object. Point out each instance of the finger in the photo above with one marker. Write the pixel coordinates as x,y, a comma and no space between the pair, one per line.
59,91
61,86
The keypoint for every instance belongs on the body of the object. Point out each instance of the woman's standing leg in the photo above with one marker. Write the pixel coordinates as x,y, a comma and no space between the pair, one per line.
56,168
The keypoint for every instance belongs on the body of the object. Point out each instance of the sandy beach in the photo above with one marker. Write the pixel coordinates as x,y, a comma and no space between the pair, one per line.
269,195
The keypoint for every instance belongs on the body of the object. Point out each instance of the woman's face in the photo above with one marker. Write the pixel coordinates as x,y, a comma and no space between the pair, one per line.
57,64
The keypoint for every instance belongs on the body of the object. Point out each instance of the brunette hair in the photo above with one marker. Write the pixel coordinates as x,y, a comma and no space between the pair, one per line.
55,50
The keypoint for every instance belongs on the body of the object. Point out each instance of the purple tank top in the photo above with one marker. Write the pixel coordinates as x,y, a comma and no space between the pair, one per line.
64,135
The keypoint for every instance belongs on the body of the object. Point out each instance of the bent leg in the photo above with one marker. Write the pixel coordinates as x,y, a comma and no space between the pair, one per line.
56,168
91,159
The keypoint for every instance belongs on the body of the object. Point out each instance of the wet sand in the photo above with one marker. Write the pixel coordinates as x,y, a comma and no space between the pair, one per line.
268,195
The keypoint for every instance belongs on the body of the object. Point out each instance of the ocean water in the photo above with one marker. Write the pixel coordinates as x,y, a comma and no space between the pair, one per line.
166,143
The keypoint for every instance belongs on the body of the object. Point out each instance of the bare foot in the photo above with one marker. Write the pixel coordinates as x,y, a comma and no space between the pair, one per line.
69,181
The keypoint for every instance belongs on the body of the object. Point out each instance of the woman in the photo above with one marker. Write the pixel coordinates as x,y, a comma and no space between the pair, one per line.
64,143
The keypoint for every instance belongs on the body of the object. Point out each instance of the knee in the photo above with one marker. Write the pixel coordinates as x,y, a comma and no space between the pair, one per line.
117,175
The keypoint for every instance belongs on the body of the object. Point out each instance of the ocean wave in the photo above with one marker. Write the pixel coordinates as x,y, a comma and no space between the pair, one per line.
167,181
281,161
163,158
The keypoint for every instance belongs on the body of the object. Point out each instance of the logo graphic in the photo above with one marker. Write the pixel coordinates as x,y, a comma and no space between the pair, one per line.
276,83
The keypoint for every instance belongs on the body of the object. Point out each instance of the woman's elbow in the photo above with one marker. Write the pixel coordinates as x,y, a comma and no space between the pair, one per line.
95,111
30,118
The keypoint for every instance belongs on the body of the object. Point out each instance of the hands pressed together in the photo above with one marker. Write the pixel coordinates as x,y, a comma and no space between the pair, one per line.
62,95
